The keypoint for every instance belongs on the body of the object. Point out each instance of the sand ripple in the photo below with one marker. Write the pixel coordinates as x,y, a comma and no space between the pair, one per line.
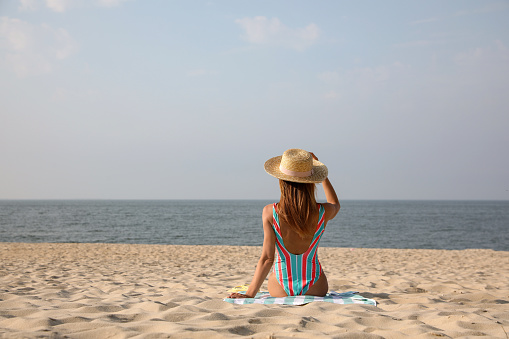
156,291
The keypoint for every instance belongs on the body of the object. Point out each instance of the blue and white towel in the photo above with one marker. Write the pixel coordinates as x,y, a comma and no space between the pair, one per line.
331,297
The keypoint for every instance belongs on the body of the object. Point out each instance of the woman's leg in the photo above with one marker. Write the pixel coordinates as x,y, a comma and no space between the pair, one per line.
275,289
320,287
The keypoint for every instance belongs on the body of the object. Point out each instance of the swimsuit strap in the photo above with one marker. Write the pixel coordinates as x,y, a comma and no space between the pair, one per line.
320,226
275,219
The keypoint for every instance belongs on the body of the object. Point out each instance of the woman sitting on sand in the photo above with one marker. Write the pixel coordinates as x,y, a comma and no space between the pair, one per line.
293,228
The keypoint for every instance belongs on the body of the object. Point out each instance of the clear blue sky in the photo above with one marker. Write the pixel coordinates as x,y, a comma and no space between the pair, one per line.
187,99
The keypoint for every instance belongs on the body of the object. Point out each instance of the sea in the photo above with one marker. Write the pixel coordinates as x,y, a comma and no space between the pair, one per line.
452,225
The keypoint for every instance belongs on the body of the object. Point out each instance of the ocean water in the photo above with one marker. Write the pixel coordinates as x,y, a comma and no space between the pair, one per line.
369,224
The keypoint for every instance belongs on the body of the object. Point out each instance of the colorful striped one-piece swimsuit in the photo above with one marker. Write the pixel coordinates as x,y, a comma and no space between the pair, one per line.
296,273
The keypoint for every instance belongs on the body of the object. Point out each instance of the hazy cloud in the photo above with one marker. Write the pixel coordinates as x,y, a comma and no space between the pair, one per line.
485,70
423,21
420,43
329,77
331,95
28,5
486,56
67,95
362,81
62,6
263,31
110,3
201,72
58,5
493,7
28,49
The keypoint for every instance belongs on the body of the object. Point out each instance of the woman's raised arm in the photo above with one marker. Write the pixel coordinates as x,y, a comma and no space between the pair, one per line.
332,206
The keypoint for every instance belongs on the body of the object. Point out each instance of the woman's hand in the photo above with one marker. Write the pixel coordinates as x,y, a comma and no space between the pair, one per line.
314,157
238,296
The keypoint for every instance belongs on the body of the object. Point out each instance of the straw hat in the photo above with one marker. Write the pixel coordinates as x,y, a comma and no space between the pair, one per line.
296,165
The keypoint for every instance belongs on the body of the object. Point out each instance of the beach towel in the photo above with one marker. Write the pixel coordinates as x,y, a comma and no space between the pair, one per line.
331,297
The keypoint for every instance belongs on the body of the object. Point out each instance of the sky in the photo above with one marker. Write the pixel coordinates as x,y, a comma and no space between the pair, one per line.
131,99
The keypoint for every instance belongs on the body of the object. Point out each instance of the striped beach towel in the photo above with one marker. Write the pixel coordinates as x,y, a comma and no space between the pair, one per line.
331,297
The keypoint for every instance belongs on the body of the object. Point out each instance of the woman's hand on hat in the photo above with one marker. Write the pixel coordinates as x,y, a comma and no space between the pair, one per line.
314,157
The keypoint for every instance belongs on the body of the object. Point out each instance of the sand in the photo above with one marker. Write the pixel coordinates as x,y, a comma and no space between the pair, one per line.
163,291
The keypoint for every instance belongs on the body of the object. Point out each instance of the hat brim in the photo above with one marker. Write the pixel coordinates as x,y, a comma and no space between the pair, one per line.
319,174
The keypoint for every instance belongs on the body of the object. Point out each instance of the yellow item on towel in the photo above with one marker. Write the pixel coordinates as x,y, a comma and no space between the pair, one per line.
241,288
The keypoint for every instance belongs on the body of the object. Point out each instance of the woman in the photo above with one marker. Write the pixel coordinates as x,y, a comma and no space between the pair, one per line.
293,228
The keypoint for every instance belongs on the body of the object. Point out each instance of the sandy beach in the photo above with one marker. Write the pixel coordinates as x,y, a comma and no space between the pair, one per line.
166,291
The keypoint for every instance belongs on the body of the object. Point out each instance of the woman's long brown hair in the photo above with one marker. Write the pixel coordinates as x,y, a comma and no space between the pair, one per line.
297,205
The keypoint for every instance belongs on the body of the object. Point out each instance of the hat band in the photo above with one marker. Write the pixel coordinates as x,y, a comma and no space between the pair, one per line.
294,173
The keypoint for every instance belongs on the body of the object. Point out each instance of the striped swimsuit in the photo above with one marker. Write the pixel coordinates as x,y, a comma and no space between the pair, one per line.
296,273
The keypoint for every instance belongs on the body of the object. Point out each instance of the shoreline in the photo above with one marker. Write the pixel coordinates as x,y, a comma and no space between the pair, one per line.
87,290
249,246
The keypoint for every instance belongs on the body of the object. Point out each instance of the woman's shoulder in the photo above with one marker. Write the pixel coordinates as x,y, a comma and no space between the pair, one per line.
268,209
267,216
